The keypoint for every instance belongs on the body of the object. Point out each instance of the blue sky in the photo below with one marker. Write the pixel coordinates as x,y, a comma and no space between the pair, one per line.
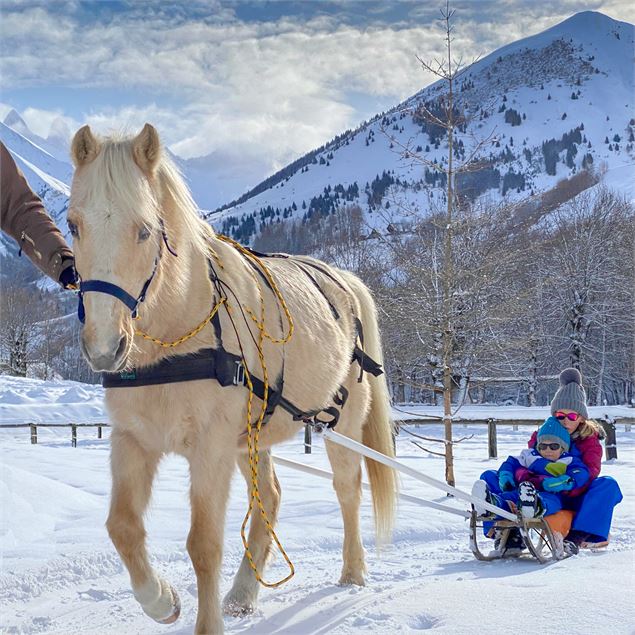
256,83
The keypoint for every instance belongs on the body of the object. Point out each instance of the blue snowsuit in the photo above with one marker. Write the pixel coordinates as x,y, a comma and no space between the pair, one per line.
529,465
593,505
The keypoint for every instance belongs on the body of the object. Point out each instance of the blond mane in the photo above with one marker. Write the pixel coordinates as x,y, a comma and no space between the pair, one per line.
118,182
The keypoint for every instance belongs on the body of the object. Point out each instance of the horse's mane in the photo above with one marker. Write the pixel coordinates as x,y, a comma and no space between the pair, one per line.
177,196
115,180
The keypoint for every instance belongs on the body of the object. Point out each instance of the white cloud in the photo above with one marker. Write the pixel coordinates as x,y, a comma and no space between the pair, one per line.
269,90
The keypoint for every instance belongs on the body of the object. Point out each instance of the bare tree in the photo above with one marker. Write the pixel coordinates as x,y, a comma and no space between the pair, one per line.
18,327
449,306
590,270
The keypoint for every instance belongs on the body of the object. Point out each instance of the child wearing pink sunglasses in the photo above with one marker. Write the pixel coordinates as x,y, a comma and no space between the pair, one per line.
593,503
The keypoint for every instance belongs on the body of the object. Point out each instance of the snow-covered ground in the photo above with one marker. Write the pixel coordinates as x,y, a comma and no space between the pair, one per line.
60,573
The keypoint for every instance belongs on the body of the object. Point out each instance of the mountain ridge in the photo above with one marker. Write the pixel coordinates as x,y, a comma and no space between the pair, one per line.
538,85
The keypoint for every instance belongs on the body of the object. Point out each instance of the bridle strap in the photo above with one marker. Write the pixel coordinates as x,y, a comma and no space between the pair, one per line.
101,286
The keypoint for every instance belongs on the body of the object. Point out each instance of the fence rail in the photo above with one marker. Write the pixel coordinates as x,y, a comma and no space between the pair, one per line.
608,423
73,426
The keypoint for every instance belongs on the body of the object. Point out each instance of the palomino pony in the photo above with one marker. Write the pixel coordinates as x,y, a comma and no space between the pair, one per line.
136,230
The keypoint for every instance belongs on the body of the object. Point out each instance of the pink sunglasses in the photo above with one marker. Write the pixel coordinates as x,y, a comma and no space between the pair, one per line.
572,416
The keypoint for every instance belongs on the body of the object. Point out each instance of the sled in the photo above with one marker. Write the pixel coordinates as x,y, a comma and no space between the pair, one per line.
543,537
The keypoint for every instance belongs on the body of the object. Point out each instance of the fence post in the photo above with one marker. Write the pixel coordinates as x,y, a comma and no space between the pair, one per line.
307,438
491,438
73,435
610,443
99,432
33,433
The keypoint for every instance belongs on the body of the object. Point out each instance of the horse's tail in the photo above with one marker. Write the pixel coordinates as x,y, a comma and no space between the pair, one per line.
378,430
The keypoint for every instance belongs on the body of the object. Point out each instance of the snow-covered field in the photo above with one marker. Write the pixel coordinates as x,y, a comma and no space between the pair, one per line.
60,573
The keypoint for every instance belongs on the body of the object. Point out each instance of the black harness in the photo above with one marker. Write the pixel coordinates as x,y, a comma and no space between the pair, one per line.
225,367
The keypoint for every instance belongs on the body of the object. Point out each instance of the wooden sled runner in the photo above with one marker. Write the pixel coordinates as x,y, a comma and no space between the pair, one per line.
543,537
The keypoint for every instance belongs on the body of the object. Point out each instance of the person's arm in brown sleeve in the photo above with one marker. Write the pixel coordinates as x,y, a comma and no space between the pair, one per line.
24,218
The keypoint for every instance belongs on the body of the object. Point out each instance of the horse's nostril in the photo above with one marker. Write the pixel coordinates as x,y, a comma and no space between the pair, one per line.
121,348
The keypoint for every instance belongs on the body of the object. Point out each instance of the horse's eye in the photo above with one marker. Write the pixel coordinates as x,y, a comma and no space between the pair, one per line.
144,234
72,228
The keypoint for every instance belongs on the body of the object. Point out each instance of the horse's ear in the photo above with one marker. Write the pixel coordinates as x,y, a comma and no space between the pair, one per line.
85,146
146,149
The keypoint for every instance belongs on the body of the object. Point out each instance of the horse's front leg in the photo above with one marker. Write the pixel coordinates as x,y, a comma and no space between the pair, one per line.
133,469
211,466
243,595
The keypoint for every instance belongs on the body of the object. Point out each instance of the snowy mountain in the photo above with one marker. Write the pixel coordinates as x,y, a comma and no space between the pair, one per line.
57,143
47,175
558,106
215,178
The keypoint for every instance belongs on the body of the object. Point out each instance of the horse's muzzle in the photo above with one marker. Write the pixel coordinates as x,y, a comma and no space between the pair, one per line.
109,358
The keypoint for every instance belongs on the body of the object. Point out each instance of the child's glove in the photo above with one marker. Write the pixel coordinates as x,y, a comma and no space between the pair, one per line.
557,483
506,481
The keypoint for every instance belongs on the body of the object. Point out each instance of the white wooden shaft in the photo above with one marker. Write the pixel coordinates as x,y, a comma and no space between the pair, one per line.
316,471
340,439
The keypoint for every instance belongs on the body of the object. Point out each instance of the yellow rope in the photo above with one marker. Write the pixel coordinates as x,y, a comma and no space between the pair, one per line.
253,430
185,337
274,286
252,442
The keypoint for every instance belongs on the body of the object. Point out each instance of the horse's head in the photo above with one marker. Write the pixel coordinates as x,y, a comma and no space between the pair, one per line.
115,220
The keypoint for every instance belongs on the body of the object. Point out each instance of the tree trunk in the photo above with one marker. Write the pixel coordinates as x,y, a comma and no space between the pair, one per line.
447,424
17,355
399,389
577,331
532,384
600,382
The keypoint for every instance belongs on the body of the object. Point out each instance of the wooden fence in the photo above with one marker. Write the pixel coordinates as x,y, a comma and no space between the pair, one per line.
73,426
608,423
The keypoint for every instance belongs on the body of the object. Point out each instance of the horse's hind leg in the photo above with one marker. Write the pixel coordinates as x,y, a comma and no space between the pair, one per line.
133,470
243,595
347,482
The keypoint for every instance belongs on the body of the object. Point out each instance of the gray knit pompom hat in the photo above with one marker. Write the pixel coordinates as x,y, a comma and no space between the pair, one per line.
570,395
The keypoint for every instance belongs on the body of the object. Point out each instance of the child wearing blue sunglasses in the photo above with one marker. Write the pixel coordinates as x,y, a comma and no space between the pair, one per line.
534,481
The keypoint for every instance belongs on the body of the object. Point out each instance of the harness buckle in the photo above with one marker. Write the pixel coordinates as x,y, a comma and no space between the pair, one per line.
320,424
239,374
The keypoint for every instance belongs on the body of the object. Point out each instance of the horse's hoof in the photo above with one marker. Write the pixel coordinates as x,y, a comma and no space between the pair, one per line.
236,608
176,609
351,579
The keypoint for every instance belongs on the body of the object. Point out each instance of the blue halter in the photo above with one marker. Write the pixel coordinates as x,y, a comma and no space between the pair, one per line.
101,286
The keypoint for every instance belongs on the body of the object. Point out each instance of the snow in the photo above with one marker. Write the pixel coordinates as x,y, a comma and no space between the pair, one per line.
61,574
